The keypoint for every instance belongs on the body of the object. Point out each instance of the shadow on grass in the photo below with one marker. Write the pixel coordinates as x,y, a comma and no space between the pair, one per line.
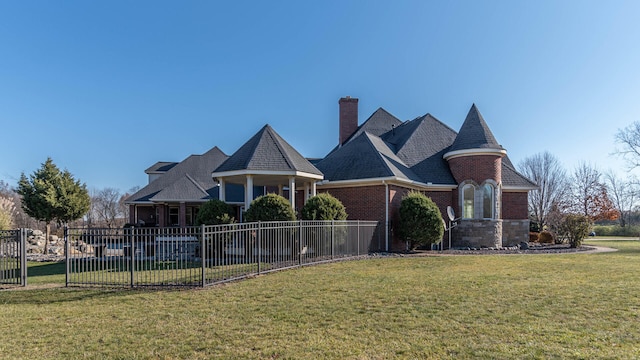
46,269
46,296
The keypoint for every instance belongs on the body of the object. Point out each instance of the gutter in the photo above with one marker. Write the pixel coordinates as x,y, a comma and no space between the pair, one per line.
386,216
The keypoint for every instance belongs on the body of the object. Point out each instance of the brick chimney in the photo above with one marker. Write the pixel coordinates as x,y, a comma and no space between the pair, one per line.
348,118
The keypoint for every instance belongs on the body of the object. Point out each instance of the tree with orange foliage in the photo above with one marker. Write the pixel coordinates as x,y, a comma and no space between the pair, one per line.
588,195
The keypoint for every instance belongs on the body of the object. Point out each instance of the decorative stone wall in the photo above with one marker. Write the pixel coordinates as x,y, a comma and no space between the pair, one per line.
514,232
477,234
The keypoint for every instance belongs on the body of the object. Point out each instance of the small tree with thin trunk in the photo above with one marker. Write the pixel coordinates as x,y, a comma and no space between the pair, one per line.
270,207
53,195
214,212
323,207
420,220
575,228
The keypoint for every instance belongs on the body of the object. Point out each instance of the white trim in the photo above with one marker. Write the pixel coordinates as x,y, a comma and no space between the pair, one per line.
474,152
518,188
380,181
266,172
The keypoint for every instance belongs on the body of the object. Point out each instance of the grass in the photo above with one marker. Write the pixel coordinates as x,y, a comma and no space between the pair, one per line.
574,306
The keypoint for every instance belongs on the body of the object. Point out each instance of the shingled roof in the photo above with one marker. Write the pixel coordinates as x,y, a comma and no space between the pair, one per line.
364,157
475,134
267,151
412,150
188,180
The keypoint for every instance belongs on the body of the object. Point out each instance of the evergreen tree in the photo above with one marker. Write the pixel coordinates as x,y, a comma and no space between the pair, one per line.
53,195
420,220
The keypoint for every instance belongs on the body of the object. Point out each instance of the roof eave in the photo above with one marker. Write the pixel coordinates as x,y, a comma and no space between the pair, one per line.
386,180
474,152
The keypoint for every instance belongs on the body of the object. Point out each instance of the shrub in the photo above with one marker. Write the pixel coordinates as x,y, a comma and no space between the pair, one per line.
214,212
420,220
270,207
546,237
575,228
533,236
323,207
616,230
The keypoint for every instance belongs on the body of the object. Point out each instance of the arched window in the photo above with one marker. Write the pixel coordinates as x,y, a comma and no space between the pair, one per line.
487,201
468,193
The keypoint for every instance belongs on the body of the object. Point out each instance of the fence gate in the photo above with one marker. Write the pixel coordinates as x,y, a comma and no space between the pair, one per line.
13,257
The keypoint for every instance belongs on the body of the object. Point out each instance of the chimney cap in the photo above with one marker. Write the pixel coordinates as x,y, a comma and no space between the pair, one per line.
348,99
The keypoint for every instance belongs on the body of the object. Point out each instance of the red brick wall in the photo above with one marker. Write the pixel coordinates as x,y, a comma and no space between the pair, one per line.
514,205
368,203
361,203
348,117
477,168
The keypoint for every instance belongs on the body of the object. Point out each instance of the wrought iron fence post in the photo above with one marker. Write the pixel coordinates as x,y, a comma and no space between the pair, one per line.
358,239
23,257
300,243
132,255
67,245
203,257
259,244
333,235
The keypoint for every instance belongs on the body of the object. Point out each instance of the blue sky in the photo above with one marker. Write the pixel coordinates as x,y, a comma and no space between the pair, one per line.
108,88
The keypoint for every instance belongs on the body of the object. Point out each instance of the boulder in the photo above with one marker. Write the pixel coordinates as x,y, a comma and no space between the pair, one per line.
37,233
524,245
56,250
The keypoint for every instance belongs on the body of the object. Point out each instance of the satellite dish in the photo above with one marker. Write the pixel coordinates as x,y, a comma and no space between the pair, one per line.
451,213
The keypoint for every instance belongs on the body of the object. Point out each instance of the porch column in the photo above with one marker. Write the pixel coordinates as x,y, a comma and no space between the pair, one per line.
222,190
248,192
280,191
306,191
313,188
133,214
182,214
292,191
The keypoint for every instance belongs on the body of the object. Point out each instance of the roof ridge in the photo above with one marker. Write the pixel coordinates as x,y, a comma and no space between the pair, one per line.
280,143
194,182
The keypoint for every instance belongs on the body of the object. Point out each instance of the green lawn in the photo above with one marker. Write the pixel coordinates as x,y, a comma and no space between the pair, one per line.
574,306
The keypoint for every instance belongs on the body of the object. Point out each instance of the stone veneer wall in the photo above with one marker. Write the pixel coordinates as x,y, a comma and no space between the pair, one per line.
514,232
477,234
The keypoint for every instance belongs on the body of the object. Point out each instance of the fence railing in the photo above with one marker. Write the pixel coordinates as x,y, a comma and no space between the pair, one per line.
13,257
206,255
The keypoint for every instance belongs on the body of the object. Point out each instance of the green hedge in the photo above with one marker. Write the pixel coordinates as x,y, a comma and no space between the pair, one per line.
616,230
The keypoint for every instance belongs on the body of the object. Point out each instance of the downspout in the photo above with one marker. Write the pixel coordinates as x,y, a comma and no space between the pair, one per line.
386,216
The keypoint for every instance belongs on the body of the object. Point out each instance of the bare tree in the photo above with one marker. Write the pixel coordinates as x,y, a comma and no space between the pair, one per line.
588,194
623,194
545,171
105,207
629,140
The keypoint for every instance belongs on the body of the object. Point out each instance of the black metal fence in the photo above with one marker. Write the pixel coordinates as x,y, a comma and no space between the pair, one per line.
206,255
13,257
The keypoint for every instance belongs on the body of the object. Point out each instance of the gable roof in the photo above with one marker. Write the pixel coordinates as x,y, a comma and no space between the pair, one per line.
364,157
267,151
160,167
188,180
475,134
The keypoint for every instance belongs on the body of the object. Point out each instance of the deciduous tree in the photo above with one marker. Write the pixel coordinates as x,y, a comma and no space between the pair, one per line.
623,195
588,195
545,171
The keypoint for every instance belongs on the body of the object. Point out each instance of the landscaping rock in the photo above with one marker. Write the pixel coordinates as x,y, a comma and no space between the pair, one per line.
524,245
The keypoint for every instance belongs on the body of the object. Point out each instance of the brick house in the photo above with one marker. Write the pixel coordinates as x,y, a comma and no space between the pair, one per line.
373,166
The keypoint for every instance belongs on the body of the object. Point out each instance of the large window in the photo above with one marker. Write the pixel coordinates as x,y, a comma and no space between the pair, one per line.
468,193
487,201
174,217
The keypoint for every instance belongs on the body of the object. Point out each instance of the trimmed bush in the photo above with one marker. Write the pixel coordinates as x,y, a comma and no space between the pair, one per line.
214,212
323,207
421,223
270,207
545,237
533,236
